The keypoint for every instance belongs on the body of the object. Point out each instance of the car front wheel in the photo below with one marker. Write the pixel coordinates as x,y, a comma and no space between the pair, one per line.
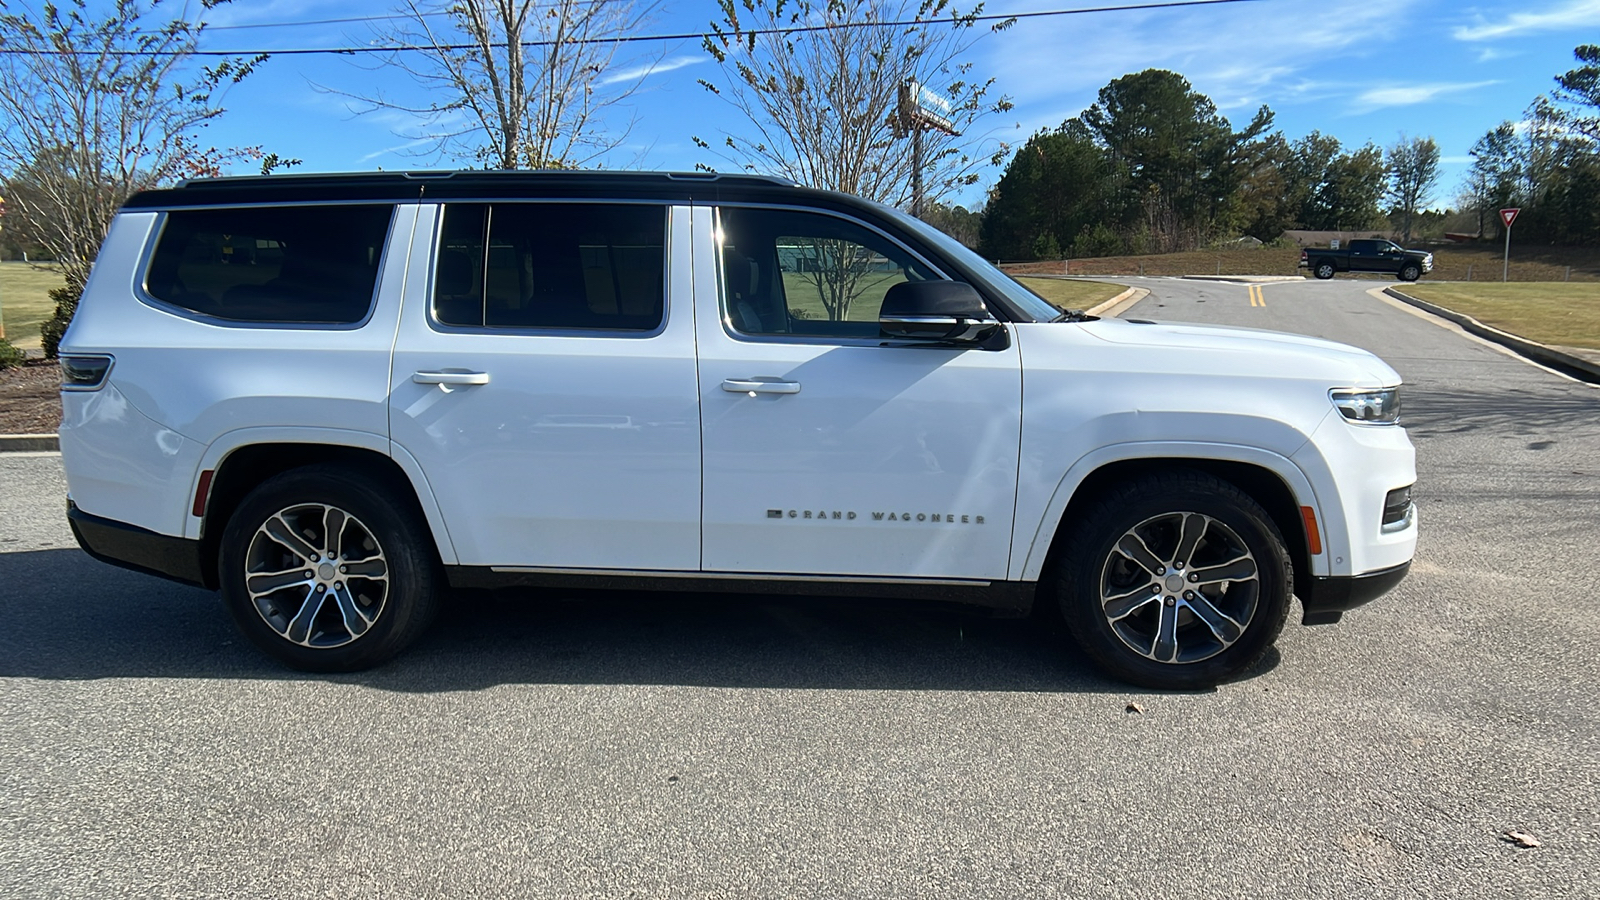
321,569
1176,581
1410,272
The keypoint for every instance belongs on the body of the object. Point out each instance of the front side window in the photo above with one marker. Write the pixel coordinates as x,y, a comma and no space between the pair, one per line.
808,275
551,265
275,264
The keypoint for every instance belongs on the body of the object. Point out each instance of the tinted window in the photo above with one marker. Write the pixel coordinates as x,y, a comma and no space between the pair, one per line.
314,264
807,274
1364,246
552,265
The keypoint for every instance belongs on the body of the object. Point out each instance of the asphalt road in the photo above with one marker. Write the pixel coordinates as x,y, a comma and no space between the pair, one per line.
671,746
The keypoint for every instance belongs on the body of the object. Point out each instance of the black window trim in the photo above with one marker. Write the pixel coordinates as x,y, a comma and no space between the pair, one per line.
724,315
635,334
142,293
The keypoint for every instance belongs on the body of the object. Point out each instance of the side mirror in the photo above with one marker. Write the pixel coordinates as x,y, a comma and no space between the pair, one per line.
945,311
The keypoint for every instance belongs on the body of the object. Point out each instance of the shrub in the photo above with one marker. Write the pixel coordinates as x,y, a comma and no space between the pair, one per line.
53,328
10,357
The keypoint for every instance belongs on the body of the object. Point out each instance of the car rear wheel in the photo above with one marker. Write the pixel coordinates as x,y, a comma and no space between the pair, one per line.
1410,272
1324,270
321,569
1175,581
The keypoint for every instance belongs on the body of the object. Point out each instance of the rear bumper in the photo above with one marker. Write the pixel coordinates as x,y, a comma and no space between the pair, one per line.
139,549
1326,599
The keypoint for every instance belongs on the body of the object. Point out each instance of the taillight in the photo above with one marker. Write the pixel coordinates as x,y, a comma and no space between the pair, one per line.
84,373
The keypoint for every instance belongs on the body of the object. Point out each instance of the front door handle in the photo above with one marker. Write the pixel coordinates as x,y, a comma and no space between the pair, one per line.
760,385
450,377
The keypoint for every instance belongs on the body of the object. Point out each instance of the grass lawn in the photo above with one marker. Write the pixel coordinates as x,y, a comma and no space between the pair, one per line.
1072,294
1549,312
25,301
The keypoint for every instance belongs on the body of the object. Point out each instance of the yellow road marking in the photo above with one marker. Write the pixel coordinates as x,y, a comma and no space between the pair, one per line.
1257,297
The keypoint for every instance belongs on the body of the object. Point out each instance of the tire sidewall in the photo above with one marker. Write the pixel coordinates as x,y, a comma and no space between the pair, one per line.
411,564
1325,270
1410,273
1080,585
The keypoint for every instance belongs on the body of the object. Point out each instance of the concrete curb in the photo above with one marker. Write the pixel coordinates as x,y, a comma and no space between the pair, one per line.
1245,279
1576,366
1120,303
28,443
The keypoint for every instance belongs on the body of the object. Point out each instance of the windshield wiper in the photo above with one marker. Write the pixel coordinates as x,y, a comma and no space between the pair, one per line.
1074,315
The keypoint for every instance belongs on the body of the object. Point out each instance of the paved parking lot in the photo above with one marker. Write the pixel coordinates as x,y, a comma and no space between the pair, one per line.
670,746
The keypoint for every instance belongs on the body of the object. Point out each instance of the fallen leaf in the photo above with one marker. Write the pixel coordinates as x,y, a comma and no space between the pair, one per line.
1520,838
1134,708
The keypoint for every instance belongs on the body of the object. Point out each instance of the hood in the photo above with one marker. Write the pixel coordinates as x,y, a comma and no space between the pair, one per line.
1266,352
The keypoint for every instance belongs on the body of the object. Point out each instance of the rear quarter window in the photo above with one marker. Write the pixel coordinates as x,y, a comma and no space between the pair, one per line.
277,264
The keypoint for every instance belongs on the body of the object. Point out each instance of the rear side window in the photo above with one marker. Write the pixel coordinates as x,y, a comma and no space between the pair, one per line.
552,265
291,264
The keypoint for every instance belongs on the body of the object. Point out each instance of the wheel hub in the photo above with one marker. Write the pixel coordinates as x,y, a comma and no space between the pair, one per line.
1179,587
316,575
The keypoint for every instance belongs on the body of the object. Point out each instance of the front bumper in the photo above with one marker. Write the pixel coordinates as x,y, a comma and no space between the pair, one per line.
139,549
1325,599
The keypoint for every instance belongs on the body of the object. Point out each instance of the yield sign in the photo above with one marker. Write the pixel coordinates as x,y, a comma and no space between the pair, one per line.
1509,215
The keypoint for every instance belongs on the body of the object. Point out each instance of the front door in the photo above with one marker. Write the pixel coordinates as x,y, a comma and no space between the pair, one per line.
544,380
827,451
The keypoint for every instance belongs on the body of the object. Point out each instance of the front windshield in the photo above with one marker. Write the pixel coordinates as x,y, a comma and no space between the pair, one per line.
1031,304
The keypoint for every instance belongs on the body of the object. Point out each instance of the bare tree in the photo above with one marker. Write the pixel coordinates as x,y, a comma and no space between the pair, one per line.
822,103
93,107
1413,172
513,84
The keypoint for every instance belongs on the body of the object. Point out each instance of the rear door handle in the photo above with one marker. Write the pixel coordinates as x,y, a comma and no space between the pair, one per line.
450,377
760,385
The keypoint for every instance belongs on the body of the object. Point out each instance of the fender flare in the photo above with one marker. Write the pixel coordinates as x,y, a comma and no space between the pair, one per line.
231,441
1330,516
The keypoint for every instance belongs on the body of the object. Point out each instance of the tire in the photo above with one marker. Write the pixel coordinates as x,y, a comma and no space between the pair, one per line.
1410,272
297,602
1324,269
1184,634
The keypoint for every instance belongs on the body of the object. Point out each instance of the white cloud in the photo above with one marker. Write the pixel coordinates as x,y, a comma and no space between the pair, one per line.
1573,14
1412,94
1241,57
637,73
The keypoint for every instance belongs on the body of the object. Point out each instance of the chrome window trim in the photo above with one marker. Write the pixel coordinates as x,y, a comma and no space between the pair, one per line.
725,315
744,576
141,288
634,334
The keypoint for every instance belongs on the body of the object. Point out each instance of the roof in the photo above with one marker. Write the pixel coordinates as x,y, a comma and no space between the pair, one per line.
398,187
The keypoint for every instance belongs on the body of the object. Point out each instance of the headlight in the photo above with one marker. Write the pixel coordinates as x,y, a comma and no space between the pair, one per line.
1380,406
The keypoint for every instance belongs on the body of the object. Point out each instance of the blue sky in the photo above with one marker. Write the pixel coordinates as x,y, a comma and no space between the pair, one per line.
1359,72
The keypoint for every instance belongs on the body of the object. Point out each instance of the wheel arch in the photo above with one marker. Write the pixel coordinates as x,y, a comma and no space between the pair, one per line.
243,462
1271,480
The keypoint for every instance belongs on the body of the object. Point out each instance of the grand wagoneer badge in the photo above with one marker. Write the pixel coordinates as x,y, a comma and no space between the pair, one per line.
826,515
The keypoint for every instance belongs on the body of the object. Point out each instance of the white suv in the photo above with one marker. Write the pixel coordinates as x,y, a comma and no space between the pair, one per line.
336,397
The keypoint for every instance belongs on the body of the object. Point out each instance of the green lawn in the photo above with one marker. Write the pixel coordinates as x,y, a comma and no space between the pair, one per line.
1547,312
1072,294
25,301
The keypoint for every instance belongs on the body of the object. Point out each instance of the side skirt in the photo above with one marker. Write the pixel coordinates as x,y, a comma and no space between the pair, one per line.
1012,598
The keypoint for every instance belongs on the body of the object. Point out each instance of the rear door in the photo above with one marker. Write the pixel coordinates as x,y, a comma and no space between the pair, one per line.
544,380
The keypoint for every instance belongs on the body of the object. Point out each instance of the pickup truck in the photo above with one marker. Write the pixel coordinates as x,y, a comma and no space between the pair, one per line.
1367,256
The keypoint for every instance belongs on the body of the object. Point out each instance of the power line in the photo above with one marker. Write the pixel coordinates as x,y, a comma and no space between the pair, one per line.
621,39
344,21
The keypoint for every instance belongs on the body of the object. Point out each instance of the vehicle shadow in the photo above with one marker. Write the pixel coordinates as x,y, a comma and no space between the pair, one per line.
70,617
